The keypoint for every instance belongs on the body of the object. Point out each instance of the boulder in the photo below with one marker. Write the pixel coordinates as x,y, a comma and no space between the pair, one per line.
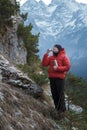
11,75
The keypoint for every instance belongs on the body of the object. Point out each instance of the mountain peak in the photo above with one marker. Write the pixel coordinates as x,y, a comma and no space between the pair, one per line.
41,2
60,1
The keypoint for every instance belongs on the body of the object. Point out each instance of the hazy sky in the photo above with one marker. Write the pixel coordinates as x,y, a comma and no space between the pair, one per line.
82,1
48,1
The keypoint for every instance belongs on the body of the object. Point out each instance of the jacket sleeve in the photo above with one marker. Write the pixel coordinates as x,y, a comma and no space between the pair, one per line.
45,60
66,65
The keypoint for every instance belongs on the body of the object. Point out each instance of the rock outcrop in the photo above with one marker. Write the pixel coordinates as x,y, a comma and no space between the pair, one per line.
11,45
11,75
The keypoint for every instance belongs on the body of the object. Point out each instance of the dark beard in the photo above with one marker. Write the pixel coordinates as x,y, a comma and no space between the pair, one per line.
55,53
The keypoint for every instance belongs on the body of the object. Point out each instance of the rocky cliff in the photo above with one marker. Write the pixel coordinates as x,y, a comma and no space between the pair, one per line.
10,45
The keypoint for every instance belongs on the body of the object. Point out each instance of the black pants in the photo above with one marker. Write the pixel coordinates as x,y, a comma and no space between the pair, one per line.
57,90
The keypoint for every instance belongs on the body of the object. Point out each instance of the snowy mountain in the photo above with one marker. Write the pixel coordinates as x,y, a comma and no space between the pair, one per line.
61,22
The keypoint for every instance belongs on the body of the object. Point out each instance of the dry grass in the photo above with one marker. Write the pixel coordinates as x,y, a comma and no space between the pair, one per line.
19,111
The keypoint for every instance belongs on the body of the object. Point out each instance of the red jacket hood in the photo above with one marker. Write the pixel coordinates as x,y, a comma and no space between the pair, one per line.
62,52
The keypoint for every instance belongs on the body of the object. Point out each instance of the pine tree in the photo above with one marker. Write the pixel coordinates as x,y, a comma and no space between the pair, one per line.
7,9
30,42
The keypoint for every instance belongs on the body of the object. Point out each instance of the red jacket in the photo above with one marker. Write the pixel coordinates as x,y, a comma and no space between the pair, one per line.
62,61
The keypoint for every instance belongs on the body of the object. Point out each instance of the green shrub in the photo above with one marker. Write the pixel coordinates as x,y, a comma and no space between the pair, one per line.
40,79
24,16
31,71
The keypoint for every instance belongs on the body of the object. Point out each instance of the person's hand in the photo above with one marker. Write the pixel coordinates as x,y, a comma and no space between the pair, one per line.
48,51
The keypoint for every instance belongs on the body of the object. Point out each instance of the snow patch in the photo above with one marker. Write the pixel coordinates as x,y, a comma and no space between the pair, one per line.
76,108
71,23
41,23
73,107
51,9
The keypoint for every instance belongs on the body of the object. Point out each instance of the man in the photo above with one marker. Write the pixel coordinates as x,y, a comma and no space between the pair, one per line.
58,64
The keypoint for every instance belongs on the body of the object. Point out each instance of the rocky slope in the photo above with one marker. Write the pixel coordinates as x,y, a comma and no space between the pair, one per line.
22,105
19,111
11,75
